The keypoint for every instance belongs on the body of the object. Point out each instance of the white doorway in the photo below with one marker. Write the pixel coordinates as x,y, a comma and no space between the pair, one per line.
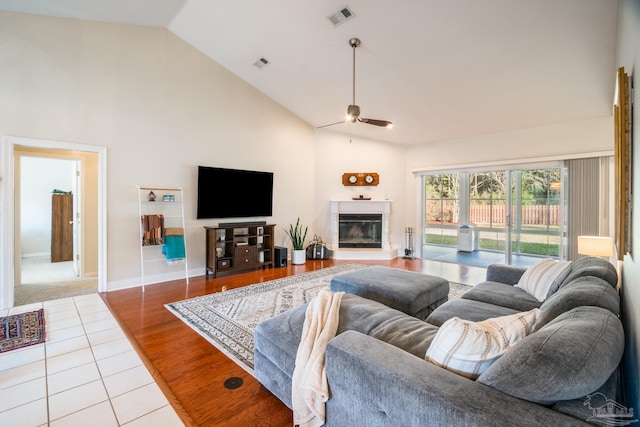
52,253
11,251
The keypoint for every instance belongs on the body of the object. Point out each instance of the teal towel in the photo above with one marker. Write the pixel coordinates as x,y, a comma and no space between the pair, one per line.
173,247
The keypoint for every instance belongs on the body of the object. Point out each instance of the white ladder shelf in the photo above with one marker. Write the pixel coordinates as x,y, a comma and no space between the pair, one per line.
157,216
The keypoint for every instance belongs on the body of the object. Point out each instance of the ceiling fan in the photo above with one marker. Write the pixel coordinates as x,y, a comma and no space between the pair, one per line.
353,110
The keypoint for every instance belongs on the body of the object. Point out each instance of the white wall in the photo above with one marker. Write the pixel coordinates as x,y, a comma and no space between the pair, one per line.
628,52
335,155
38,178
554,140
160,107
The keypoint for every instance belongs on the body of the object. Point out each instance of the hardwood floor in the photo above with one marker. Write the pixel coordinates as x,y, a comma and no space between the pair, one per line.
192,372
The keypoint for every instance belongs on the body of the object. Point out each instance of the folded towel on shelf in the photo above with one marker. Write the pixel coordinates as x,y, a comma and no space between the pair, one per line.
173,247
174,231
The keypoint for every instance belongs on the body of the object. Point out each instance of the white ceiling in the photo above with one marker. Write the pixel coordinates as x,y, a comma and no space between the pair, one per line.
438,69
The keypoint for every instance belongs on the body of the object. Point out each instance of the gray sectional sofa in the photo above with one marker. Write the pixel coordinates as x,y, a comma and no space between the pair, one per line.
378,375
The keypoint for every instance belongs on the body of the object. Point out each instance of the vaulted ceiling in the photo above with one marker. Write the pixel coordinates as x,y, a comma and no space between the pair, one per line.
438,69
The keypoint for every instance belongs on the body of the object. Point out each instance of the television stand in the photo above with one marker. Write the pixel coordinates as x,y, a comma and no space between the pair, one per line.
232,249
241,224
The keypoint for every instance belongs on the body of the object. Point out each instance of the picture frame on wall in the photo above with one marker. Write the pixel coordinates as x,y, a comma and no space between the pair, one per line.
623,163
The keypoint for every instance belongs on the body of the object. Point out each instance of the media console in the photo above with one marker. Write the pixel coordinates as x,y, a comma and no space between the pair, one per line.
238,247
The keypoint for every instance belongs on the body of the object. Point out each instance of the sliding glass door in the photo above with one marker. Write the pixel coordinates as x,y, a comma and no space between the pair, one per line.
488,208
517,212
537,213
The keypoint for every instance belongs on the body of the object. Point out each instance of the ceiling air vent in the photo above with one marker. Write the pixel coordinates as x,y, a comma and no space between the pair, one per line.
261,63
341,16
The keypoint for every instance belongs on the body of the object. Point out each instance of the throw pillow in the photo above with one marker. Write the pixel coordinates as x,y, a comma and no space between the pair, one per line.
469,348
543,277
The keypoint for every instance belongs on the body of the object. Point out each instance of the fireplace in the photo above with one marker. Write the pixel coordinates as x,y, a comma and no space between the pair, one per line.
360,229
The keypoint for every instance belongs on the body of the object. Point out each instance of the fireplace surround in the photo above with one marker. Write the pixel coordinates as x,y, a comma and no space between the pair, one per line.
360,229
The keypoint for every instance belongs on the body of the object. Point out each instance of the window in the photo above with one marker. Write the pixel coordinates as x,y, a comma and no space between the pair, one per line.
442,208
517,212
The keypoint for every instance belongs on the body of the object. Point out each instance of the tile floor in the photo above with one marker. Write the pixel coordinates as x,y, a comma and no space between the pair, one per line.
479,258
86,373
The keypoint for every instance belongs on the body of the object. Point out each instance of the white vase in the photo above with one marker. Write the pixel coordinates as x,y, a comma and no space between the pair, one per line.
299,256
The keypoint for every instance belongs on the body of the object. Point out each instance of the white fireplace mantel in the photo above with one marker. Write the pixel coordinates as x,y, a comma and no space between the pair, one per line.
361,207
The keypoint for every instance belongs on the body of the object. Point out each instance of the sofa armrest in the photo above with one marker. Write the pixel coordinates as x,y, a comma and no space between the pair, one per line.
374,383
508,274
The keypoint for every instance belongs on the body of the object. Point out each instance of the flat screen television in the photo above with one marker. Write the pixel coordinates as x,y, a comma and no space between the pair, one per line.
234,193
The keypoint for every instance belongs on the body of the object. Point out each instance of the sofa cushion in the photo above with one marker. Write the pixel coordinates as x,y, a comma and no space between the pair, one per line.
569,357
544,278
467,309
593,266
581,291
509,274
503,295
386,324
469,348
278,338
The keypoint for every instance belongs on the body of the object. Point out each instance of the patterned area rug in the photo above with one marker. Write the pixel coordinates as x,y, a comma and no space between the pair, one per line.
21,330
227,319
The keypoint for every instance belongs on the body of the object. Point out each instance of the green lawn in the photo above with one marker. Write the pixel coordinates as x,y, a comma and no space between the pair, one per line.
526,248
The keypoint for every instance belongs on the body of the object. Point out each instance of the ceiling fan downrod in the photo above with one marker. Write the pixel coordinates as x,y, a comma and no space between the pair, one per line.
354,43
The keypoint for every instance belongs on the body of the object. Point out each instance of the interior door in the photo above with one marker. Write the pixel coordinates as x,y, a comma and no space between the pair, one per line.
76,220
61,227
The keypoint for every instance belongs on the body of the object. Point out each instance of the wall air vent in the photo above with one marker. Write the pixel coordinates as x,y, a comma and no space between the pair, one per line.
261,63
341,16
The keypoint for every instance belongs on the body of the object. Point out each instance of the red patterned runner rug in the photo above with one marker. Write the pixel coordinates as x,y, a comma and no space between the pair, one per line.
21,330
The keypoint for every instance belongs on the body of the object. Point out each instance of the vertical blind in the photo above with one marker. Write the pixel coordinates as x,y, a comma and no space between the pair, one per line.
584,201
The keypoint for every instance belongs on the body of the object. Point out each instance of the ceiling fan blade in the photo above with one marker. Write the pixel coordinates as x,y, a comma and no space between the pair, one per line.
375,122
331,124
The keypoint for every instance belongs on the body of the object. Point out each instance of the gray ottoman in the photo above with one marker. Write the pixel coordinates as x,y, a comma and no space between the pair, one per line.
415,294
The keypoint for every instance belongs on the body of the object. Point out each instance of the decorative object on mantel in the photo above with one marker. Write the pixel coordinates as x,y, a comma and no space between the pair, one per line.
151,196
297,241
361,197
360,178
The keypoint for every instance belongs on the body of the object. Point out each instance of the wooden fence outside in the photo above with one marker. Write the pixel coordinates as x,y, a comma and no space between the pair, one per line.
530,214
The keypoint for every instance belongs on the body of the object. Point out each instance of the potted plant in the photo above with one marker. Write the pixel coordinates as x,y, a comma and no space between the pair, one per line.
298,237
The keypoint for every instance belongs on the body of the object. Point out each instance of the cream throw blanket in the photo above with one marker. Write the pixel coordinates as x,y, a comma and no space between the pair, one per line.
309,385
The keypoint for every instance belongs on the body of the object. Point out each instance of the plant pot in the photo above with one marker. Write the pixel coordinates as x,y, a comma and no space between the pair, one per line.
299,256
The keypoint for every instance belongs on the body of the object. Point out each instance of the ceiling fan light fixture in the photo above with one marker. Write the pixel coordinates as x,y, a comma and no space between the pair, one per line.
353,112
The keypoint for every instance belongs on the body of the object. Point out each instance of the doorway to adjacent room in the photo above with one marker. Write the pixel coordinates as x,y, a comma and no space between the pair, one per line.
28,260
